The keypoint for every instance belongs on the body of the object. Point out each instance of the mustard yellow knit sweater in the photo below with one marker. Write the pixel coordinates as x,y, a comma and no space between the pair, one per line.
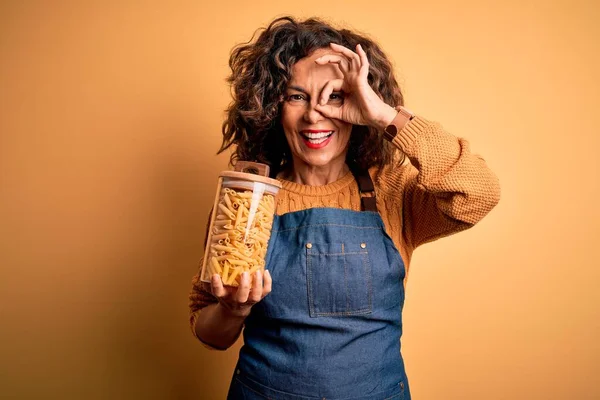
444,189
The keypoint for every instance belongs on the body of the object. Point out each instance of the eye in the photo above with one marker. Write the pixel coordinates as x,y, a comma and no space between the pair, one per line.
294,98
336,98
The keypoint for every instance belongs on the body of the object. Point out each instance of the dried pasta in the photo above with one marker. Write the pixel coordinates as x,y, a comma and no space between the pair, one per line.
240,234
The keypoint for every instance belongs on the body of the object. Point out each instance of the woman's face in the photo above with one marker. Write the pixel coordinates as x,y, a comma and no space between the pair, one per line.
315,141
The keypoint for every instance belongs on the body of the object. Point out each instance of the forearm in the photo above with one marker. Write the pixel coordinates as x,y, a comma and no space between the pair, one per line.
217,327
448,190
464,187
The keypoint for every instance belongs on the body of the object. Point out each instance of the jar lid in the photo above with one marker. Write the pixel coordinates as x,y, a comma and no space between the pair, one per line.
249,186
251,177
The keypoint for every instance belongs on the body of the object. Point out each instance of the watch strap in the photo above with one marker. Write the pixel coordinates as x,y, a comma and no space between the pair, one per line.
403,117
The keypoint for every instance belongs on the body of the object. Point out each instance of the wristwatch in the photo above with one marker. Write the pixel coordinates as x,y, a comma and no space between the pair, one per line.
402,118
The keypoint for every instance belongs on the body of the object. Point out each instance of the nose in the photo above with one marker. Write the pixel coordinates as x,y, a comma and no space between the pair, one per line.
311,115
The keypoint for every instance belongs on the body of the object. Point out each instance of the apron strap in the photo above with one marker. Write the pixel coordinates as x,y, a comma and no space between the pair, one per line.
366,190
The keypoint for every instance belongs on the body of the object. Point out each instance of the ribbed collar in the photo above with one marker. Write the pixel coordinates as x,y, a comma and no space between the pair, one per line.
307,190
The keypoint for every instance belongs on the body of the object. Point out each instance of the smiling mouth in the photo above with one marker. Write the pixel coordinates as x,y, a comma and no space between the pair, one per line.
316,138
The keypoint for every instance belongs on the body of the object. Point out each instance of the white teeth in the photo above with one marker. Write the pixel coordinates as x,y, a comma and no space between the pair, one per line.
319,135
317,141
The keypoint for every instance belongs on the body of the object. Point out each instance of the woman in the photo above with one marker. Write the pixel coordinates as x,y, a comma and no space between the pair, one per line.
321,106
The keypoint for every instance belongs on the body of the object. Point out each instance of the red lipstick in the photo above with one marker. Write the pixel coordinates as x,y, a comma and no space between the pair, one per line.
316,138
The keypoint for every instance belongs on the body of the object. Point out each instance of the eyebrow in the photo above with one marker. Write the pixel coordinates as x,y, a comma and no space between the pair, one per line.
298,88
301,89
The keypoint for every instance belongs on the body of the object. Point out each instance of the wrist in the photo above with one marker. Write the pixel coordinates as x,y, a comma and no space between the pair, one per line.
386,116
232,315
402,118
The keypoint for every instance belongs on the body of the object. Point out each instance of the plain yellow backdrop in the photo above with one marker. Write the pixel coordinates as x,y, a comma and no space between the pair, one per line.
110,116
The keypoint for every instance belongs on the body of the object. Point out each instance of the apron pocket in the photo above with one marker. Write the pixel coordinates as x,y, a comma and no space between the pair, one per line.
339,279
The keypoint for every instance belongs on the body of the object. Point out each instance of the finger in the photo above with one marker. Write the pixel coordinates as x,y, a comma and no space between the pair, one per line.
364,61
216,286
340,61
347,52
244,288
334,84
268,283
257,286
329,111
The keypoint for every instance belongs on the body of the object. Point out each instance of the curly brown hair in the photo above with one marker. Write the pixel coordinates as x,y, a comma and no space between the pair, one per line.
260,72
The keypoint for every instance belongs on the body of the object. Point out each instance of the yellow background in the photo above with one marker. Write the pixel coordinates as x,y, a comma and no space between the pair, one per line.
110,115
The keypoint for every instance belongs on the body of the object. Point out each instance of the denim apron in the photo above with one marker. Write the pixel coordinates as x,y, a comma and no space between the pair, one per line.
331,326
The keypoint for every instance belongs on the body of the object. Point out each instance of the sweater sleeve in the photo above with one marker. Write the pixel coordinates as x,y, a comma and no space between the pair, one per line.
200,295
448,189
199,298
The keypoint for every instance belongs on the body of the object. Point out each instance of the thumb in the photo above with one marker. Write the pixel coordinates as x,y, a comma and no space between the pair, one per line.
329,111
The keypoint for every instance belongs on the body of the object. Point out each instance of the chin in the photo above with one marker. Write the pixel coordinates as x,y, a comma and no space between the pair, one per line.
319,161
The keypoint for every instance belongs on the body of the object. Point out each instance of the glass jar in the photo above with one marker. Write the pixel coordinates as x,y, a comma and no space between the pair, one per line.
241,222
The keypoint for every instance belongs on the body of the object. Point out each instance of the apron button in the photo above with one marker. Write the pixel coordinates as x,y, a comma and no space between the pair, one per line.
363,245
237,372
401,385
309,245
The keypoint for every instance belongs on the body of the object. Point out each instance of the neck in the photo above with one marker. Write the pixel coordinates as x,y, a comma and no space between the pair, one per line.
311,175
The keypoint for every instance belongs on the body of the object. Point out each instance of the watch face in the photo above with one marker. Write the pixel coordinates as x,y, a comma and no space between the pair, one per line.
390,132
